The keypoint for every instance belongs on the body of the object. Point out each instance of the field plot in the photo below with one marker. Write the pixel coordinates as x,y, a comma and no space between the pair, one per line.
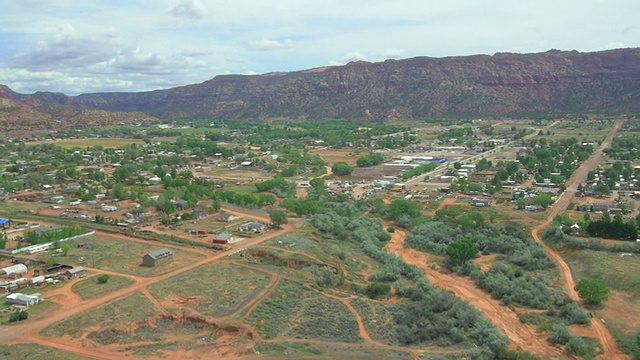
36,352
215,290
378,320
84,143
89,288
620,274
112,319
106,252
337,351
294,311
334,156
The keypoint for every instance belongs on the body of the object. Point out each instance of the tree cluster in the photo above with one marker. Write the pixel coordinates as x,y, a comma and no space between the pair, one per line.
612,230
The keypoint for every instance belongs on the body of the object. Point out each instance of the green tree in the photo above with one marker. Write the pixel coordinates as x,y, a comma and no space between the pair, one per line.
543,200
65,248
103,279
593,291
461,251
278,217
342,169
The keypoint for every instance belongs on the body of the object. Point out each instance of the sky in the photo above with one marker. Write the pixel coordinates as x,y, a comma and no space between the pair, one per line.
87,46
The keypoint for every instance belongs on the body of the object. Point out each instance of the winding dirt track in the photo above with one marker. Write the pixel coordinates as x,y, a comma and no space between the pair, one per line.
521,335
609,345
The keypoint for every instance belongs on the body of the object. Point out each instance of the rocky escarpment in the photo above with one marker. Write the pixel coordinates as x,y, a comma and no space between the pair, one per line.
482,85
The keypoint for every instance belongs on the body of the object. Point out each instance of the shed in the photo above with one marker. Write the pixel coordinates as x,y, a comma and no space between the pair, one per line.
152,258
71,273
24,300
14,270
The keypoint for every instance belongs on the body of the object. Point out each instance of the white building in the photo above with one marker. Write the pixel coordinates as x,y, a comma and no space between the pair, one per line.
24,300
14,270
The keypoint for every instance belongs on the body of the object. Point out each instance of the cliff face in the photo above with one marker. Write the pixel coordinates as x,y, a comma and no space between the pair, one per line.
501,84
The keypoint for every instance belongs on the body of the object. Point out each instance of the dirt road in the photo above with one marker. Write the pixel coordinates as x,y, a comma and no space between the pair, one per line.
28,332
522,335
611,350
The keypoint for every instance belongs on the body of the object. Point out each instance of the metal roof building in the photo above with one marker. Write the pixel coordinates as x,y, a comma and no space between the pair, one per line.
14,269
152,258
75,271
24,300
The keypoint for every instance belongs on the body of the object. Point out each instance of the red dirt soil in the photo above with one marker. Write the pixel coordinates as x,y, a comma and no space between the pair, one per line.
521,335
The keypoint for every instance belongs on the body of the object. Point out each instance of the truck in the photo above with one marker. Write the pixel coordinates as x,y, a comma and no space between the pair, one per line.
220,241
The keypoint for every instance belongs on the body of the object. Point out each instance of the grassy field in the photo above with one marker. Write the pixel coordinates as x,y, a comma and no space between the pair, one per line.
216,290
622,311
104,142
89,288
129,310
35,352
108,253
296,312
617,272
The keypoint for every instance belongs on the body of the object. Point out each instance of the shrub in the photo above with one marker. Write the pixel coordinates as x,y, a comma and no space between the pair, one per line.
577,346
378,290
574,314
18,316
560,334
103,279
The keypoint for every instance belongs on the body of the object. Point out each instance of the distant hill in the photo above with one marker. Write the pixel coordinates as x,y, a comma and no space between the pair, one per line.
51,111
482,85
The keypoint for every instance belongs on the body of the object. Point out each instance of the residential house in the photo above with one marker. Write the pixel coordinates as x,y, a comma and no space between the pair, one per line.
196,215
252,227
225,217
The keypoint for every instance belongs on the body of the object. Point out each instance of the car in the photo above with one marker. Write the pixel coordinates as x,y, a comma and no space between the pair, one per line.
81,276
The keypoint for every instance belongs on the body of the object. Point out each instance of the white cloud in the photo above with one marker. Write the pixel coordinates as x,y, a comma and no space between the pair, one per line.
190,9
348,57
265,44
141,45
